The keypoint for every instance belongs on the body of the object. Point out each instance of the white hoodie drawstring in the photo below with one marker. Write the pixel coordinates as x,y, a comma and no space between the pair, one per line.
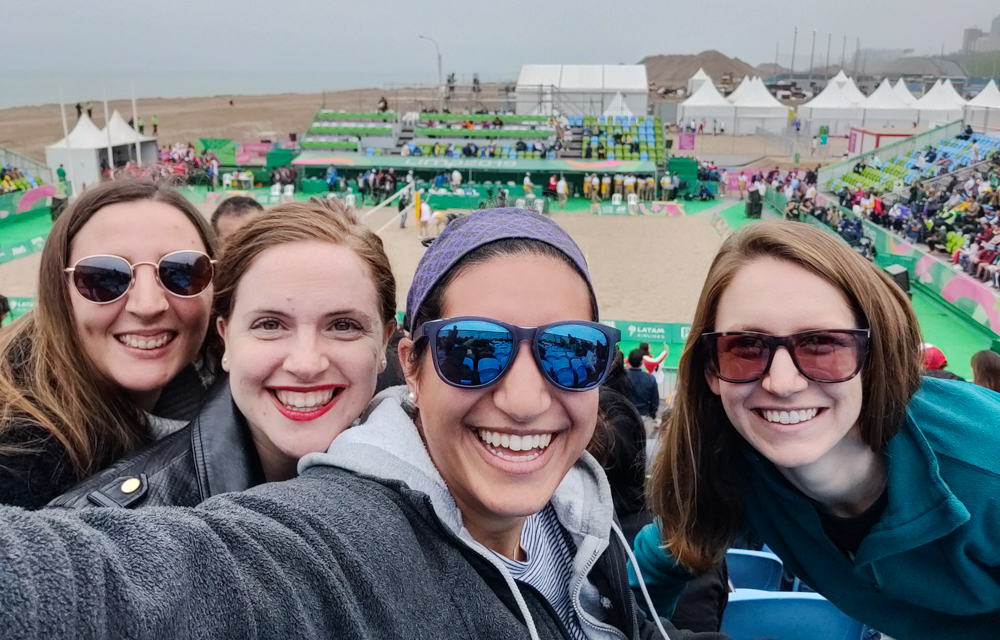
642,585
522,605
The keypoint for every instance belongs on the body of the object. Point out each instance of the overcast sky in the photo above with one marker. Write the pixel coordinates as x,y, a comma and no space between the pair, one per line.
493,38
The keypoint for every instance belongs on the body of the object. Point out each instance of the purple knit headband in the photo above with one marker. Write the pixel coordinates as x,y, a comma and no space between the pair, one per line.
469,232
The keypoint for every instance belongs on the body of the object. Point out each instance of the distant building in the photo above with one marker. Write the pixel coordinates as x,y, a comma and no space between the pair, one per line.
976,41
970,37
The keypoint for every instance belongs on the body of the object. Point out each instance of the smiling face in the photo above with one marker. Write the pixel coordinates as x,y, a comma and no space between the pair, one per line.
791,420
504,449
143,340
304,345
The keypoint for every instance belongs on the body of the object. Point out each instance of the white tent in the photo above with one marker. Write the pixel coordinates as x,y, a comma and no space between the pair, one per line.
884,108
582,90
847,87
952,94
904,93
83,153
756,107
123,139
940,105
695,81
831,109
618,107
983,111
706,104
740,88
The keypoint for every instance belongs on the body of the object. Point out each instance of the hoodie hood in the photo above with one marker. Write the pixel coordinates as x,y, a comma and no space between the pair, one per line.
387,445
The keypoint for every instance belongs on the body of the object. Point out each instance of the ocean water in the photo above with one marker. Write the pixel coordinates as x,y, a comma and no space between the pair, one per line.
25,89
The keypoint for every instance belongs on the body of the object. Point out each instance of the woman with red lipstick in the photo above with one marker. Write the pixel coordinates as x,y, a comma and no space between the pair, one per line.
114,355
801,417
305,302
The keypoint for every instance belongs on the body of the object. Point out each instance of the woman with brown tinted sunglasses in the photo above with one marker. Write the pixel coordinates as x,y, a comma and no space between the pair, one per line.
114,355
801,417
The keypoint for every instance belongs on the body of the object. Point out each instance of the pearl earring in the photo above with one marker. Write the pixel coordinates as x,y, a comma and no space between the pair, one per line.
412,397
384,362
225,361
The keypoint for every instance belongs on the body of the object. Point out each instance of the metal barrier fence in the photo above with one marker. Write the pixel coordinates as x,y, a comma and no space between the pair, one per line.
26,164
889,151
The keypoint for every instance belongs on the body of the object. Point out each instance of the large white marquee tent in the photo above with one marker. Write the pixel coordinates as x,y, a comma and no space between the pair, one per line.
831,109
940,105
87,149
884,108
695,81
581,90
755,108
983,111
706,104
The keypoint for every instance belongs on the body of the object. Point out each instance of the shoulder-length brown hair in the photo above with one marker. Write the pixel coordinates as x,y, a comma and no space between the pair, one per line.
695,486
986,369
313,221
45,376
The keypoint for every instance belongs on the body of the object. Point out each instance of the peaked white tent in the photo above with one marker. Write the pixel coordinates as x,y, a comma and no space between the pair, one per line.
940,105
983,111
740,88
847,87
904,94
884,108
695,81
831,109
756,107
706,104
123,139
618,107
81,149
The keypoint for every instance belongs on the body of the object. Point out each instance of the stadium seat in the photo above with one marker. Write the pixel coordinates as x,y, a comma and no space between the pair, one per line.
275,189
754,569
782,615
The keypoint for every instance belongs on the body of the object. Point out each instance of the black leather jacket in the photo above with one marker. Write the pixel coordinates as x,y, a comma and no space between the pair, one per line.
213,454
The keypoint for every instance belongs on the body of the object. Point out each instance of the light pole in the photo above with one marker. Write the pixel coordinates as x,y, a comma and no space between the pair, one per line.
440,83
826,65
812,54
795,39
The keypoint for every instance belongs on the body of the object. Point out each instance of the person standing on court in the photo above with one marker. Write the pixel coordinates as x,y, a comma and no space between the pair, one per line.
562,191
528,185
154,123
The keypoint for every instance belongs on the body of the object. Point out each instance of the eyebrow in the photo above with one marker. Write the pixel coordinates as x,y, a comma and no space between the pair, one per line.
339,313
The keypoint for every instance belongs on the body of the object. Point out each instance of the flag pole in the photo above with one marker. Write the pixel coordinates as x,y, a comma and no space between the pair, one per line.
135,129
107,127
69,150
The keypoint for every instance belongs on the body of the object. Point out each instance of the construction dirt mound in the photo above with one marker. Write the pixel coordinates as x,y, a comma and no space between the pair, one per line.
674,71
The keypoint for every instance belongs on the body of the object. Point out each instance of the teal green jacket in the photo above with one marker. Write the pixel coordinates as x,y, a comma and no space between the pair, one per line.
930,568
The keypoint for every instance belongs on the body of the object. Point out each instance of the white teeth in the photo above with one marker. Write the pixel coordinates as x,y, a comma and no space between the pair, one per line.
304,401
790,417
497,441
144,342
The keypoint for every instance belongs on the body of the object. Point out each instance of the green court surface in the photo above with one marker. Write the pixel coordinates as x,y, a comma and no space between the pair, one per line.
957,338
24,237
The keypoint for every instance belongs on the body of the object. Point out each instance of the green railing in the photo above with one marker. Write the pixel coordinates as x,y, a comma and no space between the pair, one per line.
350,131
481,117
388,116
889,151
339,144
442,132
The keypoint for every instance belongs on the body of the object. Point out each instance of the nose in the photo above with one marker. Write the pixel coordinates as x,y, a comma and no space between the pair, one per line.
784,378
306,360
146,298
523,393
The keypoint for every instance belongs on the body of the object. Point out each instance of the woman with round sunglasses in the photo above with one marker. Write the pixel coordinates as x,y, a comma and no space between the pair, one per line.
114,355
305,303
801,417
465,507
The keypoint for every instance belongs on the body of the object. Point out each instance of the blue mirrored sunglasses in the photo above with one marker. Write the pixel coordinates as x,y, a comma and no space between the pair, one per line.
473,353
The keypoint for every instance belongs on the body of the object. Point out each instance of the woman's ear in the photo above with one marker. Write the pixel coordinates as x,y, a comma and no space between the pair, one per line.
410,368
220,326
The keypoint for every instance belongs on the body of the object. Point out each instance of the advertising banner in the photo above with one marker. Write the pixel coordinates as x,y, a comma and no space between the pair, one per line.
685,142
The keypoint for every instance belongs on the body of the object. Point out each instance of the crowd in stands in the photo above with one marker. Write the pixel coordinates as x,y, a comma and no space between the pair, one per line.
506,149
12,179
317,470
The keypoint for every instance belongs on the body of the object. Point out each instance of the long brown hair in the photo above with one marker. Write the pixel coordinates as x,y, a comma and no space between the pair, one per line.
45,376
313,221
695,486
986,369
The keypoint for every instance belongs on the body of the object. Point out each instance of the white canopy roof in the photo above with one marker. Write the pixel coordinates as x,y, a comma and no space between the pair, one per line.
988,97
592,77
618,107
706,103
949,91
884,108
851,92
885,97
706,96
832,109
904,93
698,79
939,106
757,95
740,88
121,133
700,75
85,135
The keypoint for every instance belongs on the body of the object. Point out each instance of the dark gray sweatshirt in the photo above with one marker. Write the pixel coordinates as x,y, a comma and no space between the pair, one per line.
365,543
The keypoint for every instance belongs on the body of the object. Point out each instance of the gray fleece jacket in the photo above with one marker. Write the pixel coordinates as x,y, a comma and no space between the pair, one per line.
365,543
